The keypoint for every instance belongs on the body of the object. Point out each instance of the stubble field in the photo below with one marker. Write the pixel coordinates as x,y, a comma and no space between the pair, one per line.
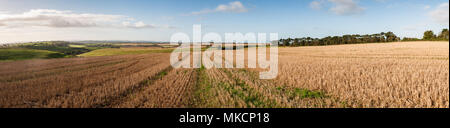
403,74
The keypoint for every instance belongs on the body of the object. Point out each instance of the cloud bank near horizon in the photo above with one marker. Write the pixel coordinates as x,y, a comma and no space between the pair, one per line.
69,19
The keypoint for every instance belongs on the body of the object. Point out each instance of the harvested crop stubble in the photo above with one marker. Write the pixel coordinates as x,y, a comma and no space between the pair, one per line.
210,91
405,74
284,96
242,88
27,66
173,90
81,88
57,70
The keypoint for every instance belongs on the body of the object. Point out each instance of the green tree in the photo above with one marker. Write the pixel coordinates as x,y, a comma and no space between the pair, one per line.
390,37
443,35
429,35
287,42
296,42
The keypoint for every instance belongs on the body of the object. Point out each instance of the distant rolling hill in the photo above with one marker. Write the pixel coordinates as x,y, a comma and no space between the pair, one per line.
11,54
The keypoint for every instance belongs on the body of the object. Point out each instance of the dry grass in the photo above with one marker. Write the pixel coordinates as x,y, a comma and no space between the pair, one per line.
391,75
242,88
80,82
406,74
239,88
173,90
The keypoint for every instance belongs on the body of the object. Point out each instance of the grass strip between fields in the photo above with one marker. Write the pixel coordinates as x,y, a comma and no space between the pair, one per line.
205,95
251,97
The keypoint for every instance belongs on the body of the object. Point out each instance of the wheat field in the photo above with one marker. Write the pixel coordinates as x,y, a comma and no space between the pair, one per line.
381,75
392,75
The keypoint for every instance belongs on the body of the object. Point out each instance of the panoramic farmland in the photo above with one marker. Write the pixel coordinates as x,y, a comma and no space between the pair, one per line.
374,75
224,63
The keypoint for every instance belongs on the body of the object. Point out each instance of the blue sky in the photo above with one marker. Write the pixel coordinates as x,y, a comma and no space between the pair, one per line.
157,20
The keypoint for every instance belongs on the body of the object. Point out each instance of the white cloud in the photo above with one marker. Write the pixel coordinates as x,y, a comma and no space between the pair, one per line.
140,25
440,14
346,7
317,5
236,7
233,7
427,7
66,19
340,7
3,12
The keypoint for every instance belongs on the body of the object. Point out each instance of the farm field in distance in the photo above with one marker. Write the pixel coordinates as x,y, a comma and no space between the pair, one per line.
11,54
373,75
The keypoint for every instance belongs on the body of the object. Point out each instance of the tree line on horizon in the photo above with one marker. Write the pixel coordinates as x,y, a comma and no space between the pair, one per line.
357,39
